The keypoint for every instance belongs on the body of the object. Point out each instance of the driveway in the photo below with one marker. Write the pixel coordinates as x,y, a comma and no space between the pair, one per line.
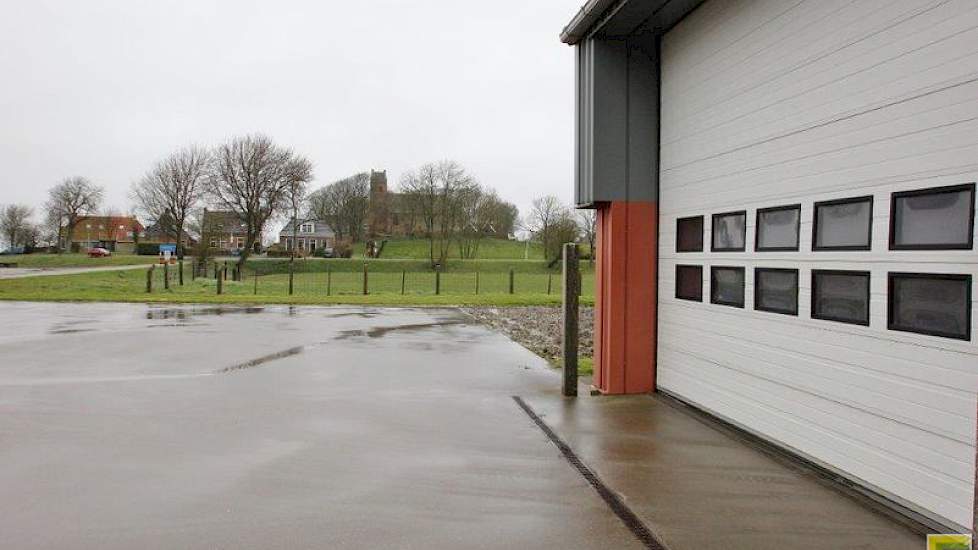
131,426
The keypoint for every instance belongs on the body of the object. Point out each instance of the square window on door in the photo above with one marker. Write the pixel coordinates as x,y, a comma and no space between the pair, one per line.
729,232
933,304
841,296
776,290
845,224
941,218
689,234
727,286
778,228
689,282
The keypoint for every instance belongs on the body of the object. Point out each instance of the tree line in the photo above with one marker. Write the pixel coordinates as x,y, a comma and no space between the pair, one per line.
260,181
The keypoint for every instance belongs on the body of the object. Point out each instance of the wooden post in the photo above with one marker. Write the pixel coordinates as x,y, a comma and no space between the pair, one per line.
511,285
570,313
180,264
403,280
477,283
149,279
365,279
329,281
437,282
220,286
291,278
166,276
550,282
256,280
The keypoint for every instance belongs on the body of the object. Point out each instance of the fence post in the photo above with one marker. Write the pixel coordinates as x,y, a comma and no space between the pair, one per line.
291,278
149,279
225,272
570,313
477,283
256,280
193,270
181,272
220,286
511,285
403,280
329,281
437,281
166,276
364,279
550,282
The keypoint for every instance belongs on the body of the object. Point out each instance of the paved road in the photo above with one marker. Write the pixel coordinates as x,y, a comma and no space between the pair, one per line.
129,426
21,272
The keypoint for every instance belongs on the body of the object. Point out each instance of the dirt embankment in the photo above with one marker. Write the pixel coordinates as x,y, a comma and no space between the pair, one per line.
537,328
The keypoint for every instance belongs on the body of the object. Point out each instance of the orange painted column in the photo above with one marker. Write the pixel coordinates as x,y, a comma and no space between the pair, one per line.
625,301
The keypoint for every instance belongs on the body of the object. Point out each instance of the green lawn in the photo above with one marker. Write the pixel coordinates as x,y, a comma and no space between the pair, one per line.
317,282
75,260
489,249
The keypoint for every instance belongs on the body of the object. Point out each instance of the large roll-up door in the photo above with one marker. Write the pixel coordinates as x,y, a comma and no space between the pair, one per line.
771,104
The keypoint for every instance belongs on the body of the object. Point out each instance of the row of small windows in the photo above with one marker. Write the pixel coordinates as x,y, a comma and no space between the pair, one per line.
940,218
932,304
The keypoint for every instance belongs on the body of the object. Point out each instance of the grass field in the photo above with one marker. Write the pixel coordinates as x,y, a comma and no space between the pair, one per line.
489,249
317,282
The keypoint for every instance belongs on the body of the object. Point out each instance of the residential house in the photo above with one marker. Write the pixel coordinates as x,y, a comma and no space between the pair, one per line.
155,234
785,200
115,233
225,232
312,235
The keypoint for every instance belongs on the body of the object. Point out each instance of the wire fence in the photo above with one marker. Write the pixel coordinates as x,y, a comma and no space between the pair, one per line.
349,279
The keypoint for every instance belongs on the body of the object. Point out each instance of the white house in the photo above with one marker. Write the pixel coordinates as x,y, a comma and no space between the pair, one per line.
311,236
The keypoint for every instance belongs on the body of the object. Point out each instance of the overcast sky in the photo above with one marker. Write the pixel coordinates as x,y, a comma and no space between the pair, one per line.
102,89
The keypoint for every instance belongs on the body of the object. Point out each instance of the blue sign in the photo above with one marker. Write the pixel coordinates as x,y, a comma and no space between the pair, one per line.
171,248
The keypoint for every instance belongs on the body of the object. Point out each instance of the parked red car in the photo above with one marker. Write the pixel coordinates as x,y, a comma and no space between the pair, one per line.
99,253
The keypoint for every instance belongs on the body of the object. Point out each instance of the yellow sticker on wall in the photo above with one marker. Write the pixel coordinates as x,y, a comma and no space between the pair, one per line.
949,542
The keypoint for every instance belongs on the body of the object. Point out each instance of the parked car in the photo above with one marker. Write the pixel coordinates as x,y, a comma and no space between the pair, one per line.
13,251
99,253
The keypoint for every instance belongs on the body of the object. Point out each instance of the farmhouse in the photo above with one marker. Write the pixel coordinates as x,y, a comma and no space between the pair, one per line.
115,233
786,198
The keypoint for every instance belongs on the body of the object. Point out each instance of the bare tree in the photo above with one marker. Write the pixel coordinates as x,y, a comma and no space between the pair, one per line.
252,177
588,221
171,189
436,193
15,223
67,202
343,205
552,224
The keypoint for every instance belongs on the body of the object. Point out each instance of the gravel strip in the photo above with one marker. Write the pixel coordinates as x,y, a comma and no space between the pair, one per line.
536,328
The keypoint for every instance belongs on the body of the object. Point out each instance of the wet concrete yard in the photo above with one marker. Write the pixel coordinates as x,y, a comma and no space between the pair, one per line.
134,426
127,426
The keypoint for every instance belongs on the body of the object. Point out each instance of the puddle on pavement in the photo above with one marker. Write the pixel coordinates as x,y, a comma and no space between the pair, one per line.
184,313
380,332
263,360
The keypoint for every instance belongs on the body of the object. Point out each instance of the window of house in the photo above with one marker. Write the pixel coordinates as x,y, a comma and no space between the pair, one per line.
213,243
689,282
689,234
306,228
776,290
727,286
845,224
729,232
841,296
934,304
777,228
941,218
